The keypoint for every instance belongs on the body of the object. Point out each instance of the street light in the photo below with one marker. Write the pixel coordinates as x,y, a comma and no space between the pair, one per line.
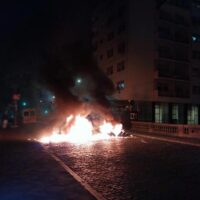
24,103
78,81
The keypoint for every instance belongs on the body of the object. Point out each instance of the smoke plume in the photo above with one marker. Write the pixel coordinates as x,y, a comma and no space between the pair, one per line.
73,76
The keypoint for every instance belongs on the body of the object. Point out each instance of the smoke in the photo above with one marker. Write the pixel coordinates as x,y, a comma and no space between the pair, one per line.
73,76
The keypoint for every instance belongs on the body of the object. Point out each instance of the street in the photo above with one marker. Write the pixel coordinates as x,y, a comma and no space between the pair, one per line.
121,168
135,168
28,173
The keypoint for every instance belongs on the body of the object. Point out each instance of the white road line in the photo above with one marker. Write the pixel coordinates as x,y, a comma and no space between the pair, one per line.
168,140
93,192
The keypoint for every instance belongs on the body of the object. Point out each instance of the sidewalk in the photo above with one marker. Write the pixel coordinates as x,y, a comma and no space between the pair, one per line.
23,132
28,172
174,139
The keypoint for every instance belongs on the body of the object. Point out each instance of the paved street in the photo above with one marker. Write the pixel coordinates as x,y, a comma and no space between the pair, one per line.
27,172
135,168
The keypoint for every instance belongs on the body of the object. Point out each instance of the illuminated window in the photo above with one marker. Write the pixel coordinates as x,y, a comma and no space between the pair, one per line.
161,113
175,113
192,115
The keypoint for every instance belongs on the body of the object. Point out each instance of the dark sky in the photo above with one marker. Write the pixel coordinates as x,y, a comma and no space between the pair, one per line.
31,28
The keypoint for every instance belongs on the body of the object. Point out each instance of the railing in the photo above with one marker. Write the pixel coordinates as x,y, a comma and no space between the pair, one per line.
180,130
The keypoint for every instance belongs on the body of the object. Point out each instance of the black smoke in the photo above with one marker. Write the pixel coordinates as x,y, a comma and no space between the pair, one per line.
62,70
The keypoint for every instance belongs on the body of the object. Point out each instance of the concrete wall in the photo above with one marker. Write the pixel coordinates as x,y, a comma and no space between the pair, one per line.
181,130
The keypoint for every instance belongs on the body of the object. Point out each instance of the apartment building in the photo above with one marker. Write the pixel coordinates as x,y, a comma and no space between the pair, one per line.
151,52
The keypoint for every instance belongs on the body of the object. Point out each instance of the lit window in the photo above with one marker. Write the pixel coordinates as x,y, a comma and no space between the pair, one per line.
192,115
175,111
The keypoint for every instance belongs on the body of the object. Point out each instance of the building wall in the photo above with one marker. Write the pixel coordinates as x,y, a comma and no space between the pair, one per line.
151,56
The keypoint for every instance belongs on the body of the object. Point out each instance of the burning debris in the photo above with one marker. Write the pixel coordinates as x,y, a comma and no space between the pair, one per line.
80,88
80,129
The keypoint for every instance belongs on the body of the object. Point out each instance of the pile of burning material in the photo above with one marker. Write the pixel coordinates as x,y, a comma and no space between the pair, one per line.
82,129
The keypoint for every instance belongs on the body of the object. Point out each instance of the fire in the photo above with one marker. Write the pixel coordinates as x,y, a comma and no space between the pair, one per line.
79,129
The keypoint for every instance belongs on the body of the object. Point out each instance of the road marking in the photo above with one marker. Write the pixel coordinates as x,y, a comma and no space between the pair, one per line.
168,140
93,192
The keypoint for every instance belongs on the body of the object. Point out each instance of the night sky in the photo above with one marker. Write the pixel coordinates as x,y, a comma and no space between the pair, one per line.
32,29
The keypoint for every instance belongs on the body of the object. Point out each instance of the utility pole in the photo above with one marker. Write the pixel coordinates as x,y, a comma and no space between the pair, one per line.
16,98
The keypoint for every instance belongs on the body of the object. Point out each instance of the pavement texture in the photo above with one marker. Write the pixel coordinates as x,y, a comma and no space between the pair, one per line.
141,167
135,168
27,172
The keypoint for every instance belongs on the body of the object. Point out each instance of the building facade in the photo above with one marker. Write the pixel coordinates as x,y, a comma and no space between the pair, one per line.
151,52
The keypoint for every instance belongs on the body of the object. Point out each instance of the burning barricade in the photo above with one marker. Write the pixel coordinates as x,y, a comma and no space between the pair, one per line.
81,129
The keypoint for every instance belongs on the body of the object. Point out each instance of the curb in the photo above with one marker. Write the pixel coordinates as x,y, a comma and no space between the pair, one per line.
93,192
167,140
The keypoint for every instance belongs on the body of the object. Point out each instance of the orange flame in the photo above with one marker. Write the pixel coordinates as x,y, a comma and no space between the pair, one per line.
78,129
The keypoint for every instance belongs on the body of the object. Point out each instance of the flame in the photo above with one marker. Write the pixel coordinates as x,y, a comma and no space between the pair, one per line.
78,129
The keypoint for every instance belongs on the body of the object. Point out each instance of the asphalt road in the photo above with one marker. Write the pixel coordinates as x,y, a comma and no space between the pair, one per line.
27,172
135,168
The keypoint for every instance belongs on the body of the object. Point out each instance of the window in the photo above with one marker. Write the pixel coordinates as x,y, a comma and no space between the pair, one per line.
164,32
120,86
164,52
161,113
110,53
196,90
158,116
121,48
163,89
195,72
120,66
175,112
192,115
109,70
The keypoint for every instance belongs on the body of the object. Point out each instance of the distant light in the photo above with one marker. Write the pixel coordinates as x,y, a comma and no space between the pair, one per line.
46,112
41,101
78,80
53,97
194,38
24,103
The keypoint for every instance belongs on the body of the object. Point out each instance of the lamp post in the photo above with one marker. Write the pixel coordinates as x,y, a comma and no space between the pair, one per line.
16,98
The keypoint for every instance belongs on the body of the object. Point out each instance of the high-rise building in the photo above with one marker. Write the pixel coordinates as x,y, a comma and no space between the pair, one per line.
151,52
